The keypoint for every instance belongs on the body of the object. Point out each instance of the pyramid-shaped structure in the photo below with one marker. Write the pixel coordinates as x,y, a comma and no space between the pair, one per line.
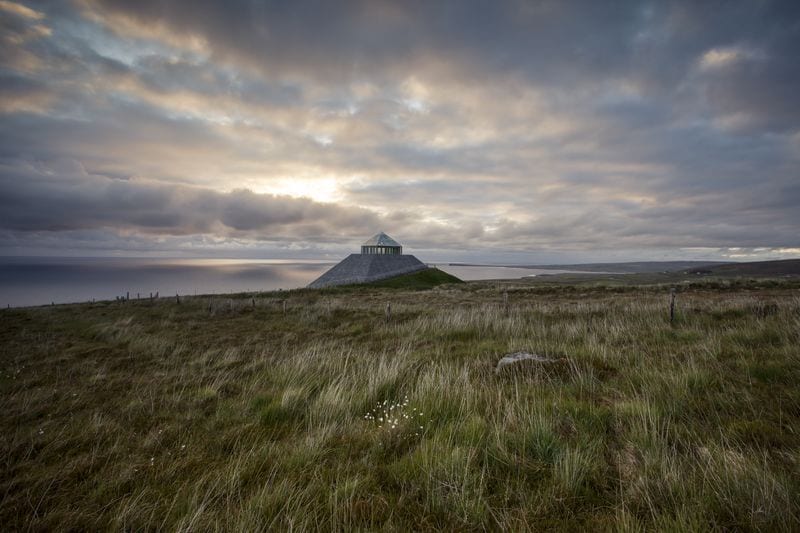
381,258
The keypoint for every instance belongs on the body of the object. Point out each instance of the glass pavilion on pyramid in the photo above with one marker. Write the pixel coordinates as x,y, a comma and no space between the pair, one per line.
381,244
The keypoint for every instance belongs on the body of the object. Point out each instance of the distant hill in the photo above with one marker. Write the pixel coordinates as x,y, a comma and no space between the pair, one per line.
785,267
636,267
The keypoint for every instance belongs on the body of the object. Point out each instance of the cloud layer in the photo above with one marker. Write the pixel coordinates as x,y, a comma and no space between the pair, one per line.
545,129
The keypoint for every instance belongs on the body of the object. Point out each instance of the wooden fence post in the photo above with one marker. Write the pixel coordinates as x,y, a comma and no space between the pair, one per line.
177,298
388,312
284,307
127,296
671,305
505,302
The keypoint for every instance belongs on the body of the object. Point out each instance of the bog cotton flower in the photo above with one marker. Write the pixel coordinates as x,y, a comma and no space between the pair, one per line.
391,416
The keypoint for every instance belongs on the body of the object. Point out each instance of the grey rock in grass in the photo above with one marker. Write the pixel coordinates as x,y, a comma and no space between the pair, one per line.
516,357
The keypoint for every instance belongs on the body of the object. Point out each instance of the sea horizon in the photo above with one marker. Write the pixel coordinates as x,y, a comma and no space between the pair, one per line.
43,280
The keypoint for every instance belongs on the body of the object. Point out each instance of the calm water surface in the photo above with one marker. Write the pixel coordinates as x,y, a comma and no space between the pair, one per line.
38,281
42,280
473,273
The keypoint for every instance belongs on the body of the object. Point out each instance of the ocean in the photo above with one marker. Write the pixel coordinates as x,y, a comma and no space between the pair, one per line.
28,281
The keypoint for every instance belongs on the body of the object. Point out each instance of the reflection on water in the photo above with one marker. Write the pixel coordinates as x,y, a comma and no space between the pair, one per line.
37,281
41,280
473,273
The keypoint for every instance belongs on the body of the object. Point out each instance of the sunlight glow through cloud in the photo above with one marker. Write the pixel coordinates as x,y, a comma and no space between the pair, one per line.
573,130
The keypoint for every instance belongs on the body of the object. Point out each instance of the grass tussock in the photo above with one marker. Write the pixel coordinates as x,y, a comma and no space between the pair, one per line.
245,413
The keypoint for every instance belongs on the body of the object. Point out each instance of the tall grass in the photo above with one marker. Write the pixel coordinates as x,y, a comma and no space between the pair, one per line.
226,415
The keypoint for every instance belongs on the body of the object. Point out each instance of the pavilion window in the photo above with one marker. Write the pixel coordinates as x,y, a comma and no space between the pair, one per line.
382,244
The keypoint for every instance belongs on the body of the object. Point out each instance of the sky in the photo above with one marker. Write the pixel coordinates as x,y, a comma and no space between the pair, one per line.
493,131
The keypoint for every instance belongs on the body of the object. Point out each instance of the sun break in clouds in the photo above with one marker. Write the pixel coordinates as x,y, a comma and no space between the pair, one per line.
537,131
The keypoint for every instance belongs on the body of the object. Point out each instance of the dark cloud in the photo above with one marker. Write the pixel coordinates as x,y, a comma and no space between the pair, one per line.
555,44
459,125
67,198
349,39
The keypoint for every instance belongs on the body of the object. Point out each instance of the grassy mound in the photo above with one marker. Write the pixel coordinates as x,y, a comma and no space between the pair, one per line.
424,279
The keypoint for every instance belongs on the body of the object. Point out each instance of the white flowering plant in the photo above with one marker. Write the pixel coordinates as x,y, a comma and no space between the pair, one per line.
396,420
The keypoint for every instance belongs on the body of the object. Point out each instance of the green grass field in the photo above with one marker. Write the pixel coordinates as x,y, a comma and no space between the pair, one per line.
231,414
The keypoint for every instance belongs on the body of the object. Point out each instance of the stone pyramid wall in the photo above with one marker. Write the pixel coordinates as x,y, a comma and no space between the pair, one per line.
366,268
